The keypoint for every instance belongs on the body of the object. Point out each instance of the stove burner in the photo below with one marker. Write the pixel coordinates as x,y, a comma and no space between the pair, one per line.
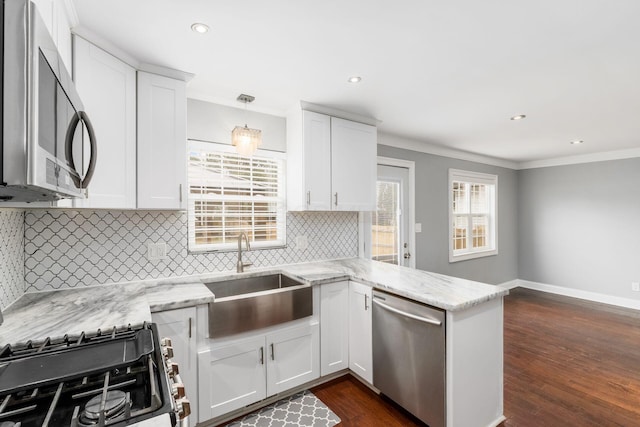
114,406
9,424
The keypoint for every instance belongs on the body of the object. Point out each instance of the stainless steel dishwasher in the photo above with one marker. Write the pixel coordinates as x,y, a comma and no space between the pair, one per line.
409,356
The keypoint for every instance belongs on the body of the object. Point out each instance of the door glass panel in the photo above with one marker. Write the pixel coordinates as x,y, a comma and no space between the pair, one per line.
385,225
46,107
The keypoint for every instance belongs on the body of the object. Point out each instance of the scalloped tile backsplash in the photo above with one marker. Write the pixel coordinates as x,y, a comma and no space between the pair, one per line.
71,248
12,284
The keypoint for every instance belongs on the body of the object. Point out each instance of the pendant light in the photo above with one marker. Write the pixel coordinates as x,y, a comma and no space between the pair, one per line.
245,139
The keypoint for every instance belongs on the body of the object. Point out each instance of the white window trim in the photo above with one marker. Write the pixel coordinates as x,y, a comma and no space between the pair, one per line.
232,247
478,178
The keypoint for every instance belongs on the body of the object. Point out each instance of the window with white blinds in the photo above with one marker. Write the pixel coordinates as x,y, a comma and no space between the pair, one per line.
472,215
230,194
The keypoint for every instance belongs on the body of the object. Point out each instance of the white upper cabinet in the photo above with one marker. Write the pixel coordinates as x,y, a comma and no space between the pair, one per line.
331,163
162,142
107,87
353,165
55,16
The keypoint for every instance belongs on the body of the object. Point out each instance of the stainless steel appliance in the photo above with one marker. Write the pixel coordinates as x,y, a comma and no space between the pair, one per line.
112,378
409,356
44,125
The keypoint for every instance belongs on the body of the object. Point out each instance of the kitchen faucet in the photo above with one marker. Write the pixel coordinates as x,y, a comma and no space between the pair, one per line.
240,265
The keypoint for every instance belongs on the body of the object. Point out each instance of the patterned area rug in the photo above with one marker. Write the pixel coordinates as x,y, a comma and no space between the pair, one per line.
301,409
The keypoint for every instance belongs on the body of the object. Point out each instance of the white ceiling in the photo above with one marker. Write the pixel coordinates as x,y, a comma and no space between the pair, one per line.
448,73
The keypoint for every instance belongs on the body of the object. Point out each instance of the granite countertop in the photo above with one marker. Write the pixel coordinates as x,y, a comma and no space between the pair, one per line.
34,316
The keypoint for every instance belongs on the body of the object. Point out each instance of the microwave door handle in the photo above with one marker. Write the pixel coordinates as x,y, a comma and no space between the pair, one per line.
94,150
68,148
73,124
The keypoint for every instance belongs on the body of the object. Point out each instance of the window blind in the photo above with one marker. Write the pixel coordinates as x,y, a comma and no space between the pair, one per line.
230,194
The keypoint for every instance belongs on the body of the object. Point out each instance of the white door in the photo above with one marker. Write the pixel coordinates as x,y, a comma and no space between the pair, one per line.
179,326
231,377
360,350
317,161
334,331
293,358
353,165
391,229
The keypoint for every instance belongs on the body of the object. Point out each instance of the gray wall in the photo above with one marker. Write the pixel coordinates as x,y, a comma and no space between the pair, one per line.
580,226
213,123
432,199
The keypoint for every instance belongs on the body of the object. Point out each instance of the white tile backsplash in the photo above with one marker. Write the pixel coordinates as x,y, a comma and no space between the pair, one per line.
12,283
71,248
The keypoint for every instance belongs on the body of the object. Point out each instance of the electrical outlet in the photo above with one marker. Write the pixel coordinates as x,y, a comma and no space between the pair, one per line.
418,227
635,286
302,243
156,251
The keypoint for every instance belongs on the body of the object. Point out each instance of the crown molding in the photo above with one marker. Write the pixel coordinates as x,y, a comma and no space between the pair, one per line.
582,158
423,147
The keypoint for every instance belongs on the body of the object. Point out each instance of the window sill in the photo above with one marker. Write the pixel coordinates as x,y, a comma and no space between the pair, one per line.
472,255
234,249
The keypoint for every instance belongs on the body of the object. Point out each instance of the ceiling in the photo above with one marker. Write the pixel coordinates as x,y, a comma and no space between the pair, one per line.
446,73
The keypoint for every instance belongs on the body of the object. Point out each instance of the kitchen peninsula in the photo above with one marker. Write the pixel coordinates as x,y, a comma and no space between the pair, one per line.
473,319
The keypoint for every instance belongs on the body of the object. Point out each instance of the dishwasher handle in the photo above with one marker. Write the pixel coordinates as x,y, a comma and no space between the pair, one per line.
409,315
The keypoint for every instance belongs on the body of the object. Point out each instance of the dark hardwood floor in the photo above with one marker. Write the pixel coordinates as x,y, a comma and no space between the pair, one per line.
358,406
569,362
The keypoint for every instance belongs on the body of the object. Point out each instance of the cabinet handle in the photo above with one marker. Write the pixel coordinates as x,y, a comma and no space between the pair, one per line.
336,196
308,197
273,354
189,327
262,355
366,305
180,192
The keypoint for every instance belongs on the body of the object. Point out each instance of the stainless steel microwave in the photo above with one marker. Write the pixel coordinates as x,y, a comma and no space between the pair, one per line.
48,144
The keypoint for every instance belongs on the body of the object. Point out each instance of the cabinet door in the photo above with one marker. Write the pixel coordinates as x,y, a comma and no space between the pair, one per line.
231,377
179,326
334,327
162,142
360,352
107,87
293,358
353,165
317,160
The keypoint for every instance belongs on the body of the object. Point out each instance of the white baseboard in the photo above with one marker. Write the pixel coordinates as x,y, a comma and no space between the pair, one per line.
577,293
511,284
497,421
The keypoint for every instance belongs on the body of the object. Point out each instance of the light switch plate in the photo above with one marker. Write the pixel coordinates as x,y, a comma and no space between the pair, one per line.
418,227
302,243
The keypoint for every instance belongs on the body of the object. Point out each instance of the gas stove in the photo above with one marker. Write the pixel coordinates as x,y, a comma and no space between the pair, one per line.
107,378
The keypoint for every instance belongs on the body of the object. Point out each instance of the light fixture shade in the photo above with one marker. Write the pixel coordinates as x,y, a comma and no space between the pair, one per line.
246,140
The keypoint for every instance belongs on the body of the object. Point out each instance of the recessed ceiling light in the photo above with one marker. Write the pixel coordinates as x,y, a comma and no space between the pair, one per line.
518,117
576,142
354,79
200,28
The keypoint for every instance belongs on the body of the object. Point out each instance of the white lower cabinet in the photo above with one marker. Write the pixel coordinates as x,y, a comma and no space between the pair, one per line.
360,346
180,326
334,327
237,372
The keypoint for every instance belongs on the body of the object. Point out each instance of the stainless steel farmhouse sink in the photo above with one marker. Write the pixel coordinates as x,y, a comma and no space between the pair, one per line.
256,302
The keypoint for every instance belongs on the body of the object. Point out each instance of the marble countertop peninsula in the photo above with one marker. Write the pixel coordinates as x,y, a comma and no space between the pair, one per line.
37,315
